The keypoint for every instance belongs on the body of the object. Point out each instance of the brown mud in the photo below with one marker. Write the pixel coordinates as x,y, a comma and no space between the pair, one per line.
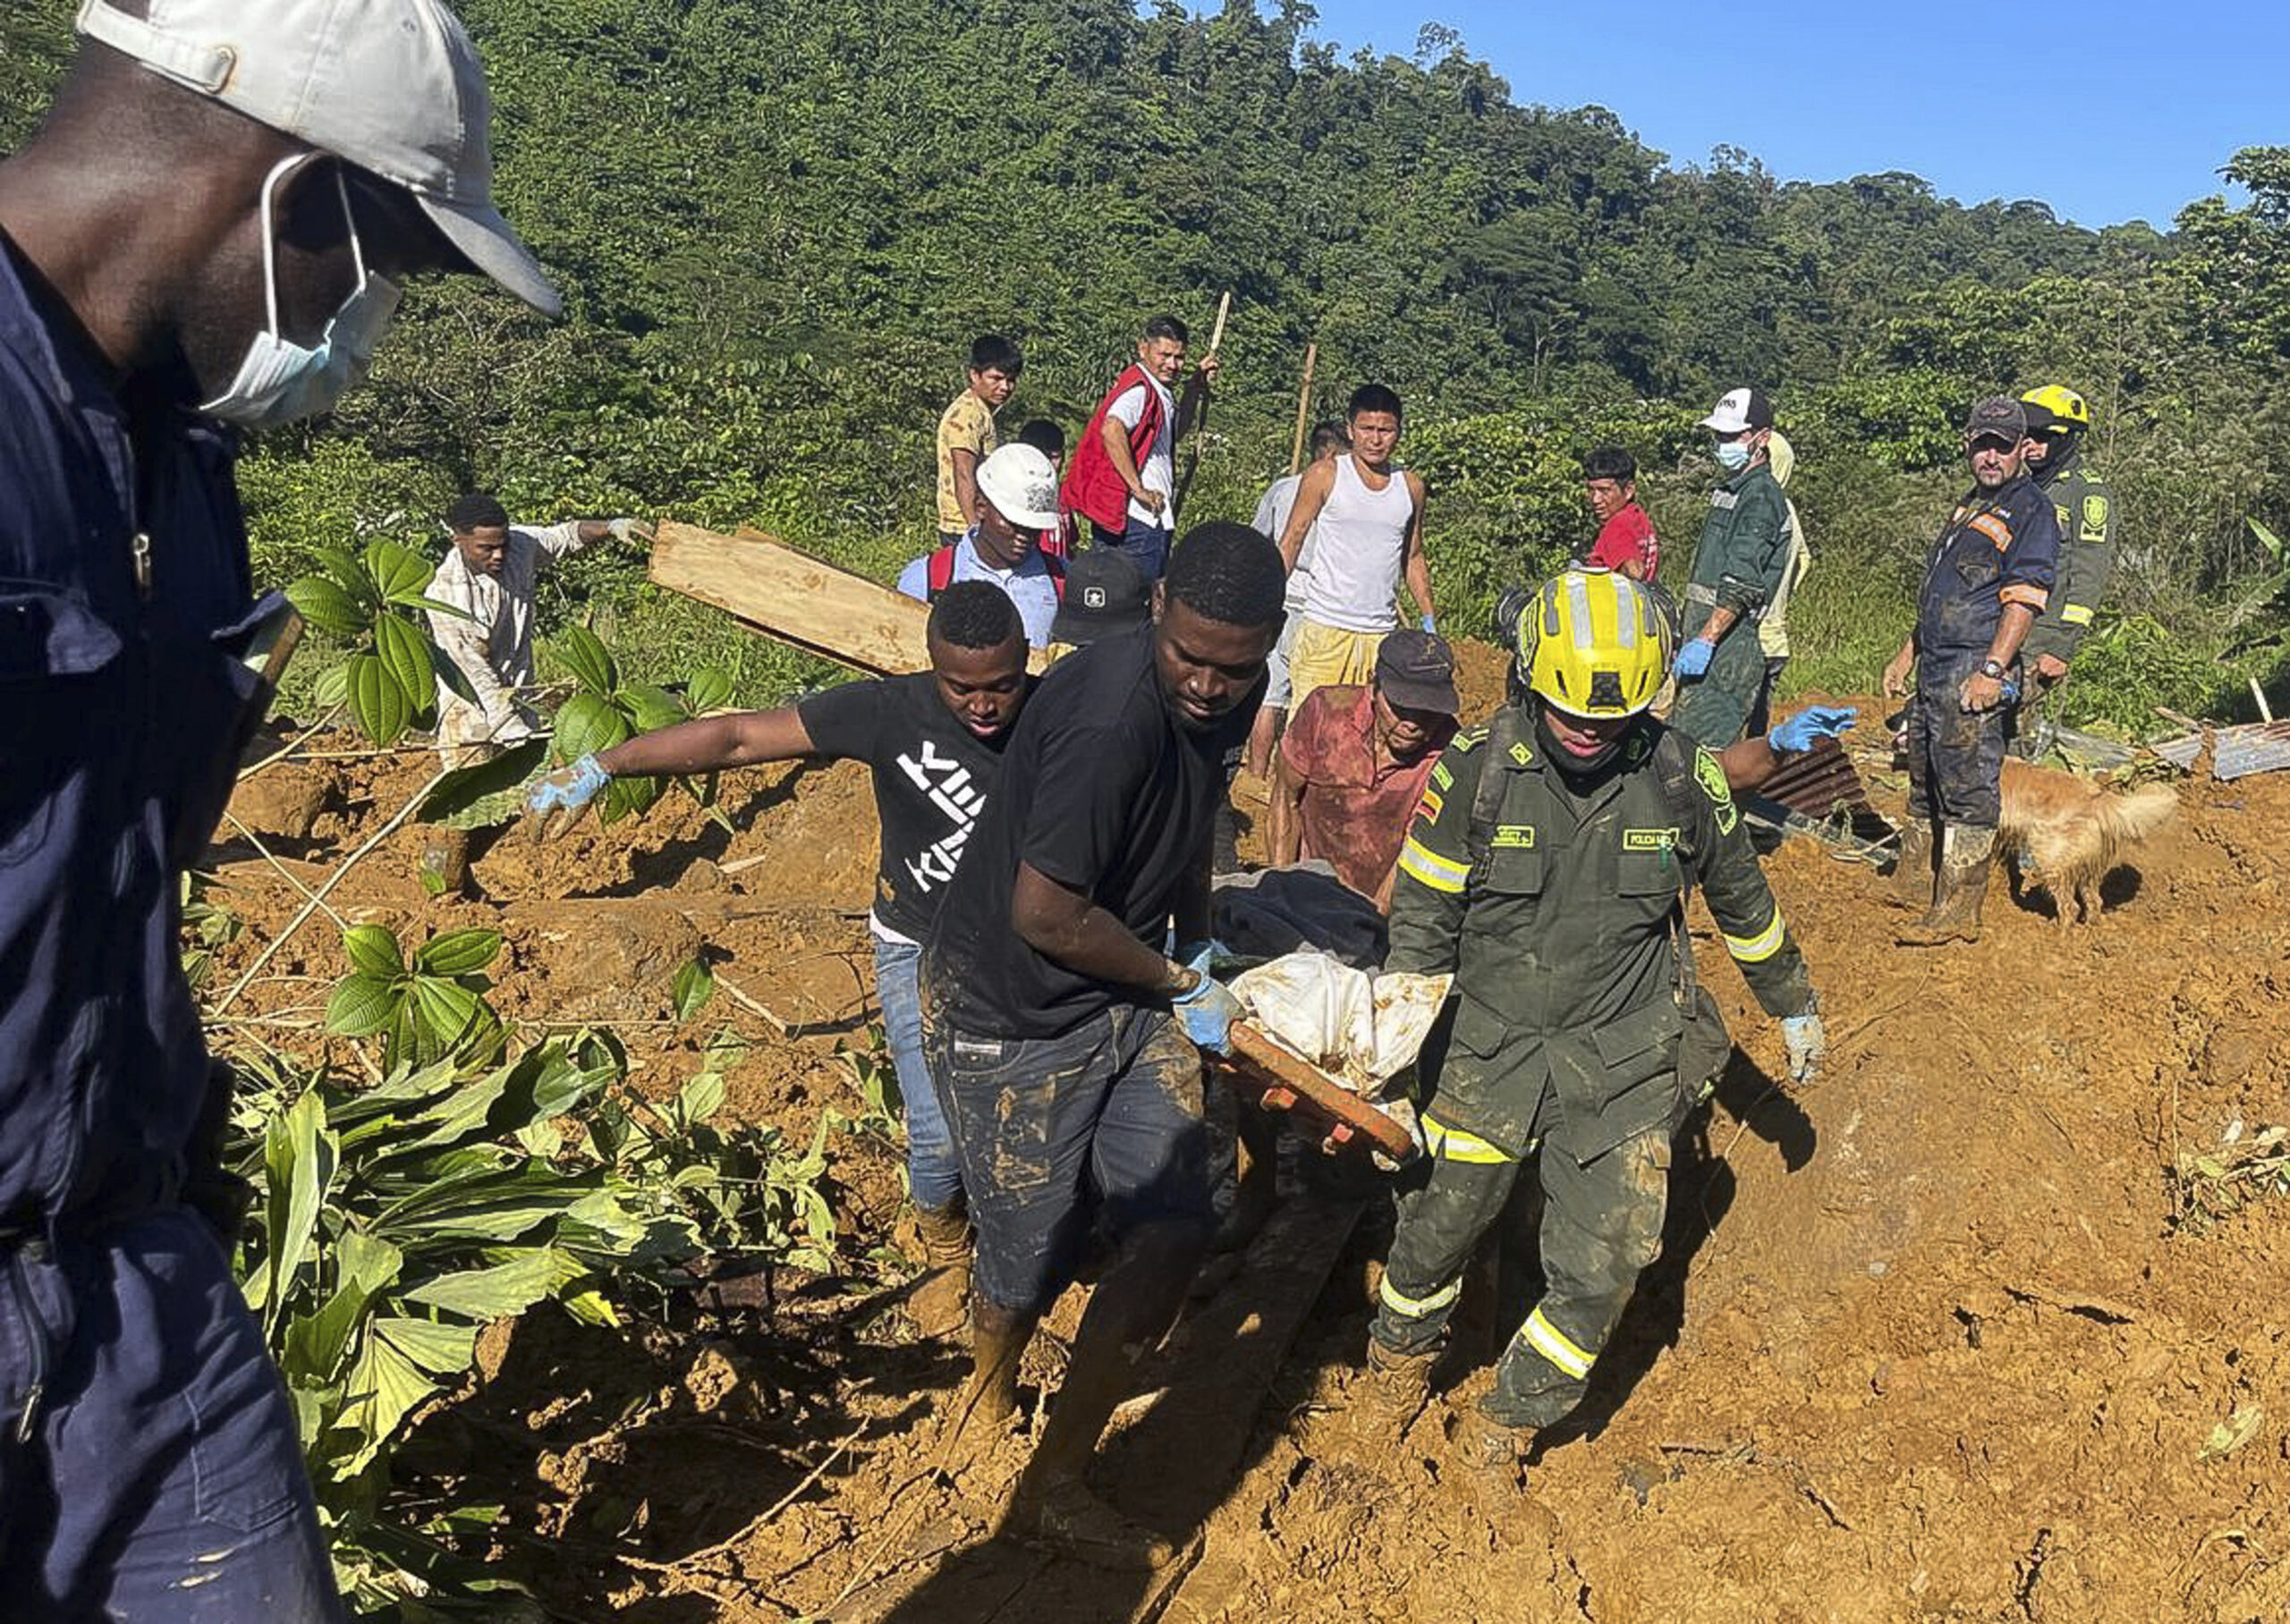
1925,1343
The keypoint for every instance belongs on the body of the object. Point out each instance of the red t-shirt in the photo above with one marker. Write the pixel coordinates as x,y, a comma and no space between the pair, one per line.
1626,536
1356,809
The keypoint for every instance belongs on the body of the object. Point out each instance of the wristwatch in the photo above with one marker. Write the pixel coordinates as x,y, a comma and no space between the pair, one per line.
1992,668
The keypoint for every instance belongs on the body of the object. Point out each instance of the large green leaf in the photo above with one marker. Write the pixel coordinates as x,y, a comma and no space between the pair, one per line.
591,663
328,606
399,573
362,1005
447,1010
332,689
404,651
650,708
441,1349
457,952
374,952
709,689
364,1266
351,576
486,793
382,1389
377,703
585,724
299,1156
505,1289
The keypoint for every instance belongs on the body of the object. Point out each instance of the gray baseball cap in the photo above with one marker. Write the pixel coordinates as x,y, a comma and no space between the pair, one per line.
1999,417
393,86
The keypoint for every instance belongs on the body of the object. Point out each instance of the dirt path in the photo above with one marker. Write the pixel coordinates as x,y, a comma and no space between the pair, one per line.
1925,1343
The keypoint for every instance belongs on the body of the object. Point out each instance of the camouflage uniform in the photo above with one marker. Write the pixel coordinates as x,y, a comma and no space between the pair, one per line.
1561,915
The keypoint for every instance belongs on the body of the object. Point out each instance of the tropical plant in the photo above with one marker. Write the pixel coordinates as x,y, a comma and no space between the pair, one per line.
374,599
430,1007
608,709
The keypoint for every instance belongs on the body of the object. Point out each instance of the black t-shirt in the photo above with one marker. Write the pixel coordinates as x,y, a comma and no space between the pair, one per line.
932,778
1101,789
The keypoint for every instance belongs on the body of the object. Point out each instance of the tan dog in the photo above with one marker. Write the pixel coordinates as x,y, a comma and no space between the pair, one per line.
2069,833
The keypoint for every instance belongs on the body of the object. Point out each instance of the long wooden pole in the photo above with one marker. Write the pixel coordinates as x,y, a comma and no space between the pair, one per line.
1200,416
1303,409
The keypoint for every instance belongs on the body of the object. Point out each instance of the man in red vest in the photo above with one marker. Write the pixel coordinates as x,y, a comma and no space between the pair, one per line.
1123,475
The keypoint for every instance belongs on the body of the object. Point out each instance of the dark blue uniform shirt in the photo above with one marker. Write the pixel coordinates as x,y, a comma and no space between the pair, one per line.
1999,548
125,611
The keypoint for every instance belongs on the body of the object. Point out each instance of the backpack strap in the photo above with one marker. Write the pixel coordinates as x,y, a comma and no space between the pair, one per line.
939,573
1487,796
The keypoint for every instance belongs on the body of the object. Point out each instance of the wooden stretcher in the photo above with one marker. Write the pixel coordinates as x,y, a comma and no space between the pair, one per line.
1274,1079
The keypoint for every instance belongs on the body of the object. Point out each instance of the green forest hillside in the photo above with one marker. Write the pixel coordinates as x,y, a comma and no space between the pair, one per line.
778,224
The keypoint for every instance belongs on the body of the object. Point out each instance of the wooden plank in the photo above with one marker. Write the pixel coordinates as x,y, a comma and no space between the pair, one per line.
794,597
1285,1081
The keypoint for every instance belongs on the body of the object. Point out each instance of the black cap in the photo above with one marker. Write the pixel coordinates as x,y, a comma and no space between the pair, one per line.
1997,417
1104,594
1416,671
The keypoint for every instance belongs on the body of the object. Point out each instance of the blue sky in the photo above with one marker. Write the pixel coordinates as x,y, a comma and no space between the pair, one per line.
2120,112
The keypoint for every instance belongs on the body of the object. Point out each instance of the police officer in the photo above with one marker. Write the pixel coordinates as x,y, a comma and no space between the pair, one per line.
207,233
1547,868
1987,579
1739,566
2057,421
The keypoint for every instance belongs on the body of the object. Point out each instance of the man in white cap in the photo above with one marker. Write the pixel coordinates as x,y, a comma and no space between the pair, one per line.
1738,568
1017,491
208,232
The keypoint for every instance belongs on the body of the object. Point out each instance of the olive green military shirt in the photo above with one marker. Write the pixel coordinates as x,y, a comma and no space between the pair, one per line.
1743,553
1557,918
2086,513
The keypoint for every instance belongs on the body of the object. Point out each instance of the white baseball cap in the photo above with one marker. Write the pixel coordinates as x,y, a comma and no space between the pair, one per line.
393,86
1021,484
1738,411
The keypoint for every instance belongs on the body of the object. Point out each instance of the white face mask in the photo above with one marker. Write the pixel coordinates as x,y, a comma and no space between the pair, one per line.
279,381
1732,455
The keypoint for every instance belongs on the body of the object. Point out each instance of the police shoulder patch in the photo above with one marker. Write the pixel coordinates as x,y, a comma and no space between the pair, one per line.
1428,809
2095,517
1711,777
1469,740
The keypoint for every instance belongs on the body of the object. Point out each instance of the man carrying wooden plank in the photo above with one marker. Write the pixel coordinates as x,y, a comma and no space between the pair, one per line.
935,741
1065,1044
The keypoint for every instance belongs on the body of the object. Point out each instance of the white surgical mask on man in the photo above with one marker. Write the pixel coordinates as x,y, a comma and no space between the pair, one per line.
280,381
1732,455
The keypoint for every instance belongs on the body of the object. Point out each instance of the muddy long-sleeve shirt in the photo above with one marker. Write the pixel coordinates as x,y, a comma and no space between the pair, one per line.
491,641
1553,903
1743,557
2000,547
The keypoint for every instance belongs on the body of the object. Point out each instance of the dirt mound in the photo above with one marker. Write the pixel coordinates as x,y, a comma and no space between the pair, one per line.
1928,1341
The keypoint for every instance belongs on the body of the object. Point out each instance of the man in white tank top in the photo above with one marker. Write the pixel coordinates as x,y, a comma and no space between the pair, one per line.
1366,521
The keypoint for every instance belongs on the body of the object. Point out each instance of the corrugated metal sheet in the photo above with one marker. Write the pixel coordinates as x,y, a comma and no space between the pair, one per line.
2254,747
1821,784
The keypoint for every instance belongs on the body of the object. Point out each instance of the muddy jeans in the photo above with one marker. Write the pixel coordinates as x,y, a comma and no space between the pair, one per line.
1107,1123
1601,1227
1955,756
158,1474
934,1175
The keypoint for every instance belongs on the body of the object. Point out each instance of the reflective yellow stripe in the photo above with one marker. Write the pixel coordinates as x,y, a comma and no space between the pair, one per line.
2076,614
1417,1308
1547,1340
1757,949
1454,1145
1428,865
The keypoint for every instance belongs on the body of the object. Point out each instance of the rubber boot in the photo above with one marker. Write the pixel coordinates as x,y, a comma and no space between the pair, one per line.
1913,877
1126,1319
1394,1390
941,1303
1489,1451
1963,885
998,1341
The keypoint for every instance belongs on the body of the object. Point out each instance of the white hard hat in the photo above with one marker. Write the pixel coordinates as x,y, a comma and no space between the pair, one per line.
393,86
1021,484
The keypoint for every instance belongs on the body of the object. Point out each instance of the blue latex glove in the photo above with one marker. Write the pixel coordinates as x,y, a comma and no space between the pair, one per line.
568,788
1210,1010
1431,624
1692,660
1807,1041
1808,728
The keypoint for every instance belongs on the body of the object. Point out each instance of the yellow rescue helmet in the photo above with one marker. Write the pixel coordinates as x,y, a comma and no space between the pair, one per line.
1591,644
2065,408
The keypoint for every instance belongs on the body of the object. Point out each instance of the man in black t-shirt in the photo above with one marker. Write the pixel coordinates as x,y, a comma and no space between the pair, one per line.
935,742
1064,1044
